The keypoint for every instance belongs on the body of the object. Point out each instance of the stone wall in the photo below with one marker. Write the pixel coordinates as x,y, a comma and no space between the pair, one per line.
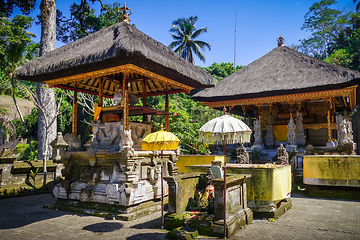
14,174
355,119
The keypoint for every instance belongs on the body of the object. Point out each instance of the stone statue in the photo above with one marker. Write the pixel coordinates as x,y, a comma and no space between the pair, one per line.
126,144
340,131
119,96
299,122
242,155
291,132
344,130
282,155
210,176
257,131
126,140
73,141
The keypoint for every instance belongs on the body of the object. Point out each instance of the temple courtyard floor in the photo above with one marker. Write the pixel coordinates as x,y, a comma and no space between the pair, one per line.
310,218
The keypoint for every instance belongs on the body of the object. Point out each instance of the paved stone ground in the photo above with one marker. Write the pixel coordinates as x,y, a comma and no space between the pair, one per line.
310,218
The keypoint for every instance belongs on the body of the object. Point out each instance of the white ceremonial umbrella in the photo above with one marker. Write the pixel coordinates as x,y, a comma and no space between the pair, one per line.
221,131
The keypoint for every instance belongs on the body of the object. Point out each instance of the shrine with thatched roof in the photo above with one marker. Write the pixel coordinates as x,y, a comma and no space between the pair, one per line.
122,62
287,91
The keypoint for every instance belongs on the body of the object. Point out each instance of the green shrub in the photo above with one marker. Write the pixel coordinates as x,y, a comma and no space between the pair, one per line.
24,151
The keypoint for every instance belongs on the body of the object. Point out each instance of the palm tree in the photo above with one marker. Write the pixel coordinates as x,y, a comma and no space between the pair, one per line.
184,32
357,5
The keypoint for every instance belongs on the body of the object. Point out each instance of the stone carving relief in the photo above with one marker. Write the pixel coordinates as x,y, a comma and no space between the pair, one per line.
242,155
257,131
282,155
299,122
106,136
344,130
73,141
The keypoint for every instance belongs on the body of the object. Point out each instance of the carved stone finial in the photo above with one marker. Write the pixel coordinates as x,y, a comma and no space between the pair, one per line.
58,143
125,16
280,41
242,155
282,155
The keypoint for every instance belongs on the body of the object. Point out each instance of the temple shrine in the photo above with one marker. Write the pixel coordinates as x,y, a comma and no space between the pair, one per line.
290,98
123,63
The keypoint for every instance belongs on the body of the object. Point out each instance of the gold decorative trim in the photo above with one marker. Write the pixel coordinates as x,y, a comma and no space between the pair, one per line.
126,68
346,92
317,126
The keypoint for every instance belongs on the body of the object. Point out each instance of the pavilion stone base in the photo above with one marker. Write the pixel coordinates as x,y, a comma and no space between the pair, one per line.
114,180
300,139
291,147
107,211
270,209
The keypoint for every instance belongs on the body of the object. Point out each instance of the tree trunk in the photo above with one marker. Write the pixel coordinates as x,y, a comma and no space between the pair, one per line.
21,117
47,44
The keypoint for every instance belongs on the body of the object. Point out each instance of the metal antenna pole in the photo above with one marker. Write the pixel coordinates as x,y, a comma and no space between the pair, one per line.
235,36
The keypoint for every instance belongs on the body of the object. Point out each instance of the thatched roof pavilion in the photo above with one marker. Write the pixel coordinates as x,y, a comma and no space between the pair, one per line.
114,58
110,52
283,79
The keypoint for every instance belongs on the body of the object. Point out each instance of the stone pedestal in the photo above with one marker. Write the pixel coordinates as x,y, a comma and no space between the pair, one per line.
291,147
258,147
300,138
270,139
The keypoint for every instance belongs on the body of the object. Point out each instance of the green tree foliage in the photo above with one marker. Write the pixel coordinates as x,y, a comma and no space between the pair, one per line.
83,21
187,116
325,23
184,33
220,71
7,6
23,150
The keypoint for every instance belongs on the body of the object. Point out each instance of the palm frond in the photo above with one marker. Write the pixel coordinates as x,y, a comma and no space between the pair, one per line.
175,44
198,32
196,50
203,44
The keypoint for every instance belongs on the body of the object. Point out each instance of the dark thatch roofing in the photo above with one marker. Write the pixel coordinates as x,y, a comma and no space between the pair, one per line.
114,46
281,71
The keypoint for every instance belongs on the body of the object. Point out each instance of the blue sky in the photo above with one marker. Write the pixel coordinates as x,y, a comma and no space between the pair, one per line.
259,23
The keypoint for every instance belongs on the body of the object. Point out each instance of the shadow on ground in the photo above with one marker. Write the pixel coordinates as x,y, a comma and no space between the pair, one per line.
103,227
20,211
155,223
147,236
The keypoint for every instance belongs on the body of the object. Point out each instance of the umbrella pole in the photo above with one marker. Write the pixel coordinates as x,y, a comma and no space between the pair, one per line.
162,192
224,185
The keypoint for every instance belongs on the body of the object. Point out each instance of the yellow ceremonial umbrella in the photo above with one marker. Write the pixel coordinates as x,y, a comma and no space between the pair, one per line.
160,141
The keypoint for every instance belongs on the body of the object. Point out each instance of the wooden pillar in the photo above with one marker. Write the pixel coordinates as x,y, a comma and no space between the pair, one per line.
230,109
328,102
167,107
126,102
75,107
259,111
101,92
144,97
291,109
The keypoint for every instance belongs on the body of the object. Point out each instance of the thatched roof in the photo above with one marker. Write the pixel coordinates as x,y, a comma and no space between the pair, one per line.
281,71
114,46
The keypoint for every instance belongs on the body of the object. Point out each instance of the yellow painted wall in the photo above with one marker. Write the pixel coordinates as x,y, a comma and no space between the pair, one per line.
188,160
336,167
266,184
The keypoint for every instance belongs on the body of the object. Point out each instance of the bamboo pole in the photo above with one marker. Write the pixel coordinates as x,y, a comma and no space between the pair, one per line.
167,107
75,107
